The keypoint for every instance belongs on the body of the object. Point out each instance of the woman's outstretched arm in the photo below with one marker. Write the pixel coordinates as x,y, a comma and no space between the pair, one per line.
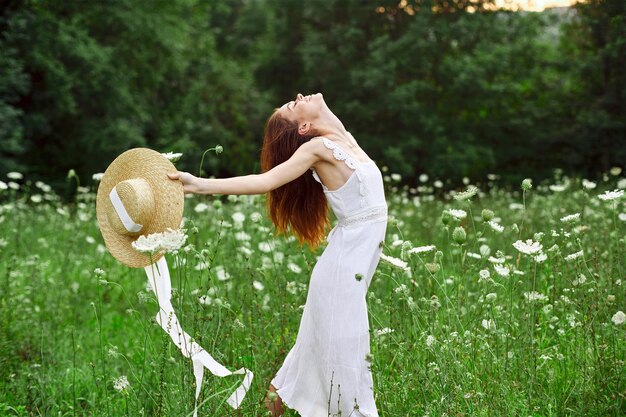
302,159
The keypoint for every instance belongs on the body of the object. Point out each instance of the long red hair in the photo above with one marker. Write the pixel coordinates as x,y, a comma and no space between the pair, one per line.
300,204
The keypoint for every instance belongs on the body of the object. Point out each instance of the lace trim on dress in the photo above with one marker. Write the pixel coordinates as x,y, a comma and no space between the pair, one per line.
370,214
341,155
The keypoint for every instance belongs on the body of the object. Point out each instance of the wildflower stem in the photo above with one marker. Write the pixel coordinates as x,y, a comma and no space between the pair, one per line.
469,209
202,161
104,368
532,340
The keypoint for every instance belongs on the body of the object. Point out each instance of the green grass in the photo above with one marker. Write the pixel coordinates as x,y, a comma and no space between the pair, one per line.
66,332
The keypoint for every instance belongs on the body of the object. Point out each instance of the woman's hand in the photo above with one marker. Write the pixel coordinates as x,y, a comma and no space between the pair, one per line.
191,183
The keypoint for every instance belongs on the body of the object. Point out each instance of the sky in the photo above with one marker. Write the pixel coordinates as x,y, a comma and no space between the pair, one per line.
535,5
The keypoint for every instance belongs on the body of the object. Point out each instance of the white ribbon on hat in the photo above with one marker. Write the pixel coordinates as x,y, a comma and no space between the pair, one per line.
128,223
161,284
159,279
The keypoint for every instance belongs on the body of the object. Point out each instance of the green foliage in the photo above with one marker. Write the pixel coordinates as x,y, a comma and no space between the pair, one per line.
491,329
450,88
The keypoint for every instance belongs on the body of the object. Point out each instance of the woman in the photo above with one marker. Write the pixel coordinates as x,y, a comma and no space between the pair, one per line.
327,369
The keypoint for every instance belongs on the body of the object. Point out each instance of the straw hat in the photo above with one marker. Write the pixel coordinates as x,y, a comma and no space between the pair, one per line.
135,198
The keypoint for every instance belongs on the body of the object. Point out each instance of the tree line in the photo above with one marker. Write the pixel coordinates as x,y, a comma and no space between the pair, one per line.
451,88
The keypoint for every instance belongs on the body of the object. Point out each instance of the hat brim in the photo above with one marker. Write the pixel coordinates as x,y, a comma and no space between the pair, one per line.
169,199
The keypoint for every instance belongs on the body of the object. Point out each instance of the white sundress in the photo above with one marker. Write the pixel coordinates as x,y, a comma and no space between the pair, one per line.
327,369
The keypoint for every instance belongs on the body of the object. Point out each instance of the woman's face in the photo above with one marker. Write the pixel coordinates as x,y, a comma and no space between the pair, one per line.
303,109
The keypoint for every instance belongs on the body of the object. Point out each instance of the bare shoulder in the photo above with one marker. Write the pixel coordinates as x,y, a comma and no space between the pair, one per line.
317,147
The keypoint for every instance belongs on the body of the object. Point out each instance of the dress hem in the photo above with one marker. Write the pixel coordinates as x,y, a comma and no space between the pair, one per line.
361,414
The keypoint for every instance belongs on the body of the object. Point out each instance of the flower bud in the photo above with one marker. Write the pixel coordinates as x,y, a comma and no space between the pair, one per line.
487,215
459,235
219,149
527,184
433,268
438,255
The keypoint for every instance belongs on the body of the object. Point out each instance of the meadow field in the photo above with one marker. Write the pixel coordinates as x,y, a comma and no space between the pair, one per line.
488,301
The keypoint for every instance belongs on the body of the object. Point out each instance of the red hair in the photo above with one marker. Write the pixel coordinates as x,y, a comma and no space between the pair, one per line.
301,203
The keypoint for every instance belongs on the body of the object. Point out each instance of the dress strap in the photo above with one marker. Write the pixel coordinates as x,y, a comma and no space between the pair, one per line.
339,153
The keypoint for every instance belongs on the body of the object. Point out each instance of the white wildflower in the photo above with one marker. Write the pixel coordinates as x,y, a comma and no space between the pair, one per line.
437,184
589,185
611,195
422,249
172,240
238,217
528,247
97,176
495,226
398,263
503,271
15,175
484,250
474,255
256,217
384,331
147,243
541,257
173,157
396,177
580,280
121,383
221,273
205,300
571,218
457,213
618,318
242,236
265,247
467,194
36,198
574,255
491,296
494,260
258,285
558,187
489,324
3,185
534,296
200,207
430,340
294,267
423,177
13,185
484,275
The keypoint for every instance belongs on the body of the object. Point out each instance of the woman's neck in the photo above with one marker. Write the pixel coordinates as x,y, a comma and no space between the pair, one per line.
330,126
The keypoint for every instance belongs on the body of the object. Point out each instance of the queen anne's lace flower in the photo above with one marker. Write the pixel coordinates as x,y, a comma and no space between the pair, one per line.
495,226
173,157
467,194
503,271
570,218
574,255
534,296
528,247
422,249
121,383
398,263
168,241
457,214
618,318
611,195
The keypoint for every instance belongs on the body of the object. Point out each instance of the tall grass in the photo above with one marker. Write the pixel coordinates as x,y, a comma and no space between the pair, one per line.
453,334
